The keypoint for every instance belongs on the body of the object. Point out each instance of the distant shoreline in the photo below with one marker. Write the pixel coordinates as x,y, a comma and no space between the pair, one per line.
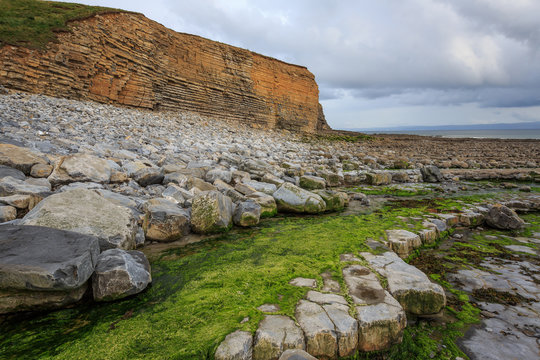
475,134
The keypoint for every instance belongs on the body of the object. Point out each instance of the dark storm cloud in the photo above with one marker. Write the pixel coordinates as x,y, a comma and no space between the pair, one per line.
405,52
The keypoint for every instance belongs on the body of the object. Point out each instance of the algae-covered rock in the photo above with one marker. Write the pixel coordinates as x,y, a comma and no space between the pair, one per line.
309,182
211,212
267,203
291,198
334,200
382,178
247,213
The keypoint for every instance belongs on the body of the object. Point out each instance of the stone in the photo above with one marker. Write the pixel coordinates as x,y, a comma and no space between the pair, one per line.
218,174
236,346
471,218
296,354
309,182
200,184
403,242
244,189
329,283
266,188
520,248
303,282
429,235
11,186
321,338
247,213
120,273
276,334
164,221
211,212
439,224
504,218
291,198
334,200
271,179
382,178
42,267
269,308
7,213
148,176
381,318
177,178
450,219
6,171
332,179
431,174
86,212
267,203
175,194
20,158
408,285
41,170
80,167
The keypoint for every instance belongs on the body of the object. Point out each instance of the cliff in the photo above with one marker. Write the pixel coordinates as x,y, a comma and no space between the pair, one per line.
125,58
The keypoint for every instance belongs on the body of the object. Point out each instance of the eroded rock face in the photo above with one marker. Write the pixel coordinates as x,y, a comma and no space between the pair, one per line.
502,217
236,346
120,273
86,212
187,72
42,267
211,212
291,198
276,333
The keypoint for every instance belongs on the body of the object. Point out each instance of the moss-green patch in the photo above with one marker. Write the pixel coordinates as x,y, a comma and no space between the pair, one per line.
32,23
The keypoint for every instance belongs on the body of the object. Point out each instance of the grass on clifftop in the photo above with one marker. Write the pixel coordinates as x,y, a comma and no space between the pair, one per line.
32,23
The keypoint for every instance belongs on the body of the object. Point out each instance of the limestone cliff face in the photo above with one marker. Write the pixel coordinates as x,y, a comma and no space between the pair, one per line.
128,59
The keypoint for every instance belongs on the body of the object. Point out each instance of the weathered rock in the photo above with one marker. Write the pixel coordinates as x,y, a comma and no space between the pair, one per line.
429,235
334,200
303,282
439,224
211,212
12,186
6,171
309,182
321,338
86,212
267,203
269,308
7,213
81,167
177,178
502,217
382,178
403,242
291,198
381,318
296,354
276,333
432,174
450,219
148,176
271,179
41,170
247,213
20,158
164,221
408,285
21,201
219,174
120,273
236,346
263,187
471,218
43,267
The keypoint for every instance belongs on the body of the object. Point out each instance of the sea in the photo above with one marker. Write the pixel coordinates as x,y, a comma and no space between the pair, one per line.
479,134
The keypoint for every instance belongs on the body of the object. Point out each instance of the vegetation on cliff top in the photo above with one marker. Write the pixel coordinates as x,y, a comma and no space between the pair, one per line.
32,23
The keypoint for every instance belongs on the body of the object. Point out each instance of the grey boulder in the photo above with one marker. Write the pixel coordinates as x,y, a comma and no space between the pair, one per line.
276,334
247,213
291,198
502,217
431,174
120,273
164,221
236,346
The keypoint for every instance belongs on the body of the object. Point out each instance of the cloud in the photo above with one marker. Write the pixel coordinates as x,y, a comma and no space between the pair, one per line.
400,53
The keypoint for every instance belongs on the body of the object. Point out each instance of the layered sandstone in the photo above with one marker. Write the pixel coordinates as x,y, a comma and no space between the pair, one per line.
127,59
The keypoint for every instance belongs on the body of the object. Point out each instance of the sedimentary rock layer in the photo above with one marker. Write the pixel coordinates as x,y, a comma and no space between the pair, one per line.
127,59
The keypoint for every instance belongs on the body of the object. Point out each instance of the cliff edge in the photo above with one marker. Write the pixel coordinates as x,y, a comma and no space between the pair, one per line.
125,58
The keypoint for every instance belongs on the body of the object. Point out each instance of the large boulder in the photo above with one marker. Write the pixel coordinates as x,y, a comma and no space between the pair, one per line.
276,333
431,174
164,221
86,212
120,273
236,346
408,285
211,212
42,267
247,213
20,158
267,203
502,217
291,198
81,167
381,178
148,176
334,200
309,182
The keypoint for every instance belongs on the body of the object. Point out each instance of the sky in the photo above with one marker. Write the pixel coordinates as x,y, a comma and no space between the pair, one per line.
385,63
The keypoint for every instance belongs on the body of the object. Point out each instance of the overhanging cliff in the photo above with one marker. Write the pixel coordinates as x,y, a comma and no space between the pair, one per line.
127,59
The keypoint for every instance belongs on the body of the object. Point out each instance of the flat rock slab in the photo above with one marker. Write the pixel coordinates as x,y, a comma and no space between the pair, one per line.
19,158
319,330
81,167
381,318
410,286
236,346
303,282
269,308
520,248
403,242
276,333
120,273
329,284
11,186
86,212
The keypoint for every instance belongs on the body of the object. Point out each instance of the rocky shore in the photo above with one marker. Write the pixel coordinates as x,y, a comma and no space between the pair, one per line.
83,185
